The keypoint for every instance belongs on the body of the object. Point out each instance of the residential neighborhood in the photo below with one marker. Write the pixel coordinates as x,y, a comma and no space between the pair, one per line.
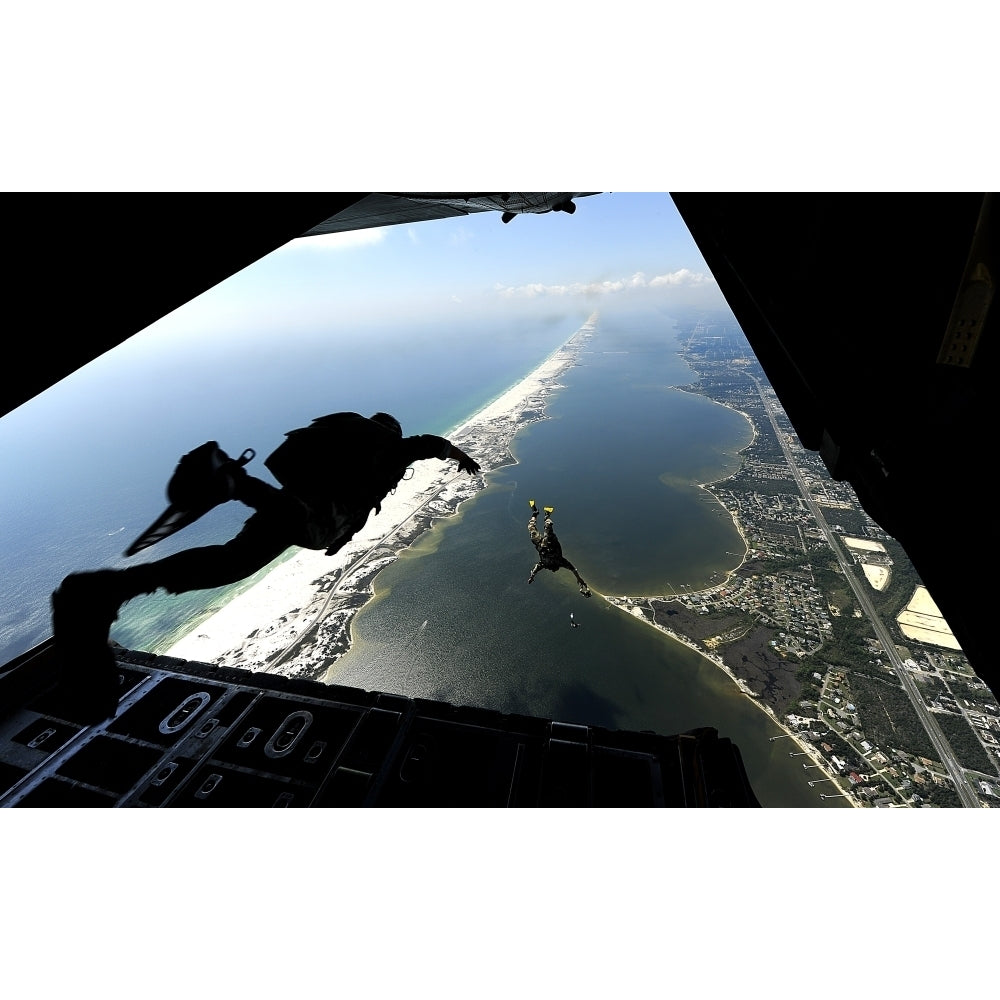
826,623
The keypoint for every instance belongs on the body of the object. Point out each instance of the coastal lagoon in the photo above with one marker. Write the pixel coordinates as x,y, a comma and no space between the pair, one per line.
621,453
621,456
87,462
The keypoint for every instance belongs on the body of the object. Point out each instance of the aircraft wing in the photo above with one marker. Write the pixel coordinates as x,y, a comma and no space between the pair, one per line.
154,252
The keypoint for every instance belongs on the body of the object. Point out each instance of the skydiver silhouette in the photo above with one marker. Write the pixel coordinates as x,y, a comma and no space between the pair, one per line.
333,473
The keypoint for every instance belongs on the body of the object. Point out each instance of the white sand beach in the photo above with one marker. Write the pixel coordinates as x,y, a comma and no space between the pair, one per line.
297,619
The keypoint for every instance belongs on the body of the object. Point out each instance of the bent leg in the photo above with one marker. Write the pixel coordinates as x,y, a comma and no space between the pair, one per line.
533,532
85,605
91,601
584,589
262,496
261,539
536,540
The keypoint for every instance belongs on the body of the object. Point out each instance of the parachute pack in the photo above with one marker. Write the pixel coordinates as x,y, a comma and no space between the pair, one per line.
340,456
203,479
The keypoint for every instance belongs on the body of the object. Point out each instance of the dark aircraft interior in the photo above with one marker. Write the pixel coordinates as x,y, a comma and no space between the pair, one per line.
870,314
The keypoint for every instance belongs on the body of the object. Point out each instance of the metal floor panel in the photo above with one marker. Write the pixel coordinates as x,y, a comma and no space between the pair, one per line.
192,735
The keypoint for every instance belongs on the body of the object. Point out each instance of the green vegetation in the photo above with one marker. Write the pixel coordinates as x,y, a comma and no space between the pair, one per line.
903,580
853,521
931,688
942,796
848,646
811,688
969,750
841,748
787,534
765,487
774,567
887,717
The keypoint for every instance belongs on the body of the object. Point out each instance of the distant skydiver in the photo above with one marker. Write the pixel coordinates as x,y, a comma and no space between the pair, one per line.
573,623
333,473
549,550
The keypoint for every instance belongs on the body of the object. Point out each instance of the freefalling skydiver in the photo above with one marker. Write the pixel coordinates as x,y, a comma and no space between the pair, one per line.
550,555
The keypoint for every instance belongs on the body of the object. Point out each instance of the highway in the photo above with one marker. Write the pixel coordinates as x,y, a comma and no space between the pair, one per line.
969,797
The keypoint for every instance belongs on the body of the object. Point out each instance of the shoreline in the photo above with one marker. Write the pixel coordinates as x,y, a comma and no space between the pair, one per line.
634,606
323,593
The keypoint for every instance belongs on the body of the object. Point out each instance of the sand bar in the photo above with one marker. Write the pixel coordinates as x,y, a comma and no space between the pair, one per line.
297,619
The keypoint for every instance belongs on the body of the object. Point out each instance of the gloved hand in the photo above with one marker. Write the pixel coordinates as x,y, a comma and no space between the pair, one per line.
466,464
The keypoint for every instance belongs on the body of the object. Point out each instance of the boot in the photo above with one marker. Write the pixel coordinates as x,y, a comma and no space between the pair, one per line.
83,609
204,478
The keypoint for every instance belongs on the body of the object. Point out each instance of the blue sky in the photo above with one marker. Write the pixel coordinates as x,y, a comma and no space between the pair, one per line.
404,283
427,320
618,248
623,247
460,304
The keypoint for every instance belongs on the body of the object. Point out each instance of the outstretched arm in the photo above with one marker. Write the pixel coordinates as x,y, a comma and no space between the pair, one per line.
465,464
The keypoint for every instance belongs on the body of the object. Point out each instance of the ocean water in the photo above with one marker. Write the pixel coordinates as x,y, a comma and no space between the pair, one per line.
620,457
86,463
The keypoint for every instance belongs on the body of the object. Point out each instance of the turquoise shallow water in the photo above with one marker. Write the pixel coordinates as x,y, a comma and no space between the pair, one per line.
86,464
453,618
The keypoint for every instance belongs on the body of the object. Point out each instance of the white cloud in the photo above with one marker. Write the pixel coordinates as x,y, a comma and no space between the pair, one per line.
340,241
680,278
